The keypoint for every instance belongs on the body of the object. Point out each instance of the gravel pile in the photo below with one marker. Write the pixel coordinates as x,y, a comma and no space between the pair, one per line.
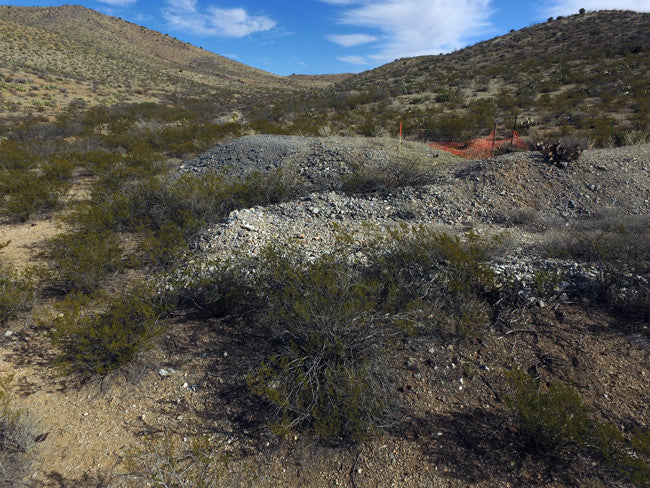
486,195
320,161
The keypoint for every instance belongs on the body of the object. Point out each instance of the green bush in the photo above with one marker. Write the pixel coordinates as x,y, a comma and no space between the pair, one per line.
101,340
16,293
442,275
374,176
326,371
218,288
553,420
27,191
619,246
168,210
14,155
81,260
550,420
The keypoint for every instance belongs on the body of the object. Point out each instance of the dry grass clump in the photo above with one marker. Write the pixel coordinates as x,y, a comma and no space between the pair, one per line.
16,439
620,248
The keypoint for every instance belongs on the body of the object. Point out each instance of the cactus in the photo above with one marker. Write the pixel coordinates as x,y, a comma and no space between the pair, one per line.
559,154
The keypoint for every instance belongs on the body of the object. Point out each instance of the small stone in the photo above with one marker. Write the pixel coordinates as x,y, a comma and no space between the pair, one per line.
9,333
248,227
163,372
186,385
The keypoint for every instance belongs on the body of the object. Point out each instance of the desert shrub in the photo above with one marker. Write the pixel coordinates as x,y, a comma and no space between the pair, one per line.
169,211
546,283
15,439
81,260
325,371
14,155
332,323
58,169
443,275
16,292
100,339
25,192
164,462
620,247
451,127
218,288
553,420
382,176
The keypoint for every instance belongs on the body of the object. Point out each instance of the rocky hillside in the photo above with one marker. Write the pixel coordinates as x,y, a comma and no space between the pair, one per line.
54,55
585,75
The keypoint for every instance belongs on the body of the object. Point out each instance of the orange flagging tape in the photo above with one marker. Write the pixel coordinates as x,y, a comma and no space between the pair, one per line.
480,148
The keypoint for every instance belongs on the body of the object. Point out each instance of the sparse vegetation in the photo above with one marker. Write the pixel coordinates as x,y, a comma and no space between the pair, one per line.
15,439
16,292
334,342
97,340
554,419
162,462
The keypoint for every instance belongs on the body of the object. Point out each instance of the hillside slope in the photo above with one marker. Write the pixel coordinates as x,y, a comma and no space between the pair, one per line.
587,73
53,55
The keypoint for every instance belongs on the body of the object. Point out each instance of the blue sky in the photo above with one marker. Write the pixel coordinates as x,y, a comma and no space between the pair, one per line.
335,36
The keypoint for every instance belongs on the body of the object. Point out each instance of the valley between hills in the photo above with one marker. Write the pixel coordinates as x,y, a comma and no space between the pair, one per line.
215,276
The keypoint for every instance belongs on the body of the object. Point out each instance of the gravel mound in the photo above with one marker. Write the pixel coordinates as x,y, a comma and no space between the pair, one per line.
513,193
321,162
494,193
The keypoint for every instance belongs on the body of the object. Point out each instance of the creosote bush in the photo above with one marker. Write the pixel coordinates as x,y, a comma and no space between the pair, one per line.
549,421
553,420
81,260
441,277
374,176
168,210
25,192
16,292
619,246
324,370
97,337
332,325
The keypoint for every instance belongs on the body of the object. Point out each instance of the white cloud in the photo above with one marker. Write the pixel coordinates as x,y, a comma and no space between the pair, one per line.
349,40
354,59
568,7
416,27
118,2
214,21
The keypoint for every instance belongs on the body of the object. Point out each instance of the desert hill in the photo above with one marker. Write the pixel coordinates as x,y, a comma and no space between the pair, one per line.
584,74
52,55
